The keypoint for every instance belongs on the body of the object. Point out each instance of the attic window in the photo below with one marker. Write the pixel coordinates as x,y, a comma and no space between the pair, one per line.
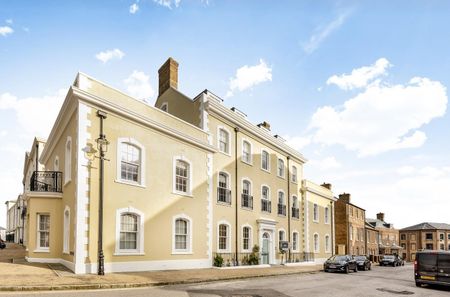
165,107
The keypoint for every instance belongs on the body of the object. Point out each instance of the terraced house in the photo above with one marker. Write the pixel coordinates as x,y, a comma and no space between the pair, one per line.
174,186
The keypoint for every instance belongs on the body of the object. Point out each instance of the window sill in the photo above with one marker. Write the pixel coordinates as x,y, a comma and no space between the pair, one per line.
119,181
247,163
295,218
183,194
281,216
246,208
129,254
266,170
223,203
317,222
66,253
224,153
182,253
282,177
41,251
223,251
265,211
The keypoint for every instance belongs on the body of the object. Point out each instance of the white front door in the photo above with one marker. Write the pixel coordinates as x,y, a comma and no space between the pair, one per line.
265,251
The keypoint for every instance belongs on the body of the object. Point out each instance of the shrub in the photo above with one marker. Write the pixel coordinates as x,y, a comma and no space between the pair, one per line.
253,259
218,260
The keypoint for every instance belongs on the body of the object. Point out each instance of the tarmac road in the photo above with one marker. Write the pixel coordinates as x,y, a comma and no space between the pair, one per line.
380,281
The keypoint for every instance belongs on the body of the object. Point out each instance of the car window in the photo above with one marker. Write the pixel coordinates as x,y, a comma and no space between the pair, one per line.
444,263
427,262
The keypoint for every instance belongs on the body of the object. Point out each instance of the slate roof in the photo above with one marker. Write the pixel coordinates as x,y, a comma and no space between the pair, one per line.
379,223
428,226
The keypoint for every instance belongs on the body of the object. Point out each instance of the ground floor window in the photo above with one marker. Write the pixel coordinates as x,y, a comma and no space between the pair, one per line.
43,234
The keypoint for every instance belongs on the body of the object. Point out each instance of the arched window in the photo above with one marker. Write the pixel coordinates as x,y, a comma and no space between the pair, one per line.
327,243
129,231
224,237
281,204
223,192
294,174
68,160
130,163
182,176
265,160
280,171
315,212
246,152
182,235
281,237
326,215
295,208
247,199
66,233
265,199
246,237
224,141
316,243
295,241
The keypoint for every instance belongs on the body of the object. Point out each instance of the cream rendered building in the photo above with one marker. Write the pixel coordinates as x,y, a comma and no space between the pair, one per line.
185,181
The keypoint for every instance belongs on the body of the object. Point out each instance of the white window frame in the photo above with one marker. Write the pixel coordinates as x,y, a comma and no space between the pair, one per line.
249,162
278,236
228,186
296,249
327,243
316,215
166,105
294,176
250,238
326,215
56,164
229,140
68,160
132,141
188,249
43,249
174,176
140,236
228,249
268,160
66,232
316,248
278,168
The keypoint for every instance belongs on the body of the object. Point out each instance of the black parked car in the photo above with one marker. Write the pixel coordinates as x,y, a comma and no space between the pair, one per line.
2,244
363,263
343,263
391,260
432,268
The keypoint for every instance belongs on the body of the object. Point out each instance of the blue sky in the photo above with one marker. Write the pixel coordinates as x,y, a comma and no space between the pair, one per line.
359,87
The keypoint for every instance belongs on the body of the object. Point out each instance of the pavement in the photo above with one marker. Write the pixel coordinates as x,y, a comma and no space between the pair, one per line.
23,276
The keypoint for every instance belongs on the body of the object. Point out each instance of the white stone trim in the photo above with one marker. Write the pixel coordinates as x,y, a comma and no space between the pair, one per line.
218,140
298,240
174,175
250,241
229,236
68,161
188,250
40,249
318,243
66,231
142,165
140,237
130,266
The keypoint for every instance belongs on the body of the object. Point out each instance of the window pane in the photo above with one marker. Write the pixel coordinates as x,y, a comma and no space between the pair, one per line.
130,162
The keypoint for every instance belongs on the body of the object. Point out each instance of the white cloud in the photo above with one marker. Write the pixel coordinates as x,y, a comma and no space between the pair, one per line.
249,76
382,117
325,164
360,77
322,32
109,55
9,21
29,111
297,142
6,30
134,8
168,3
138,85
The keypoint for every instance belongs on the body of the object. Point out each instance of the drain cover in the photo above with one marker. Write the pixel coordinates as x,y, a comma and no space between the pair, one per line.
397,292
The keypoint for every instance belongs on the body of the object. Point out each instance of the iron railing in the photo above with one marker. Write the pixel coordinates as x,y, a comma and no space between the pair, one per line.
247,201
46,181
266,205
281,209
236,259
298,257
295,212
223,195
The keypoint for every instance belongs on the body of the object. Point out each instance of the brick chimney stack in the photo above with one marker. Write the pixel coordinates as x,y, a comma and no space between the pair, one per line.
326,185
345,197
168,76
380,216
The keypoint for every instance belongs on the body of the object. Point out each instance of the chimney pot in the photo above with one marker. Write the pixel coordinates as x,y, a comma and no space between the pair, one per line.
380,216
168,76
326,185
265,125
345,197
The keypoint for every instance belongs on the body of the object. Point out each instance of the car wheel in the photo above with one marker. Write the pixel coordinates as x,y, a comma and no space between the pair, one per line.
418,284
346,269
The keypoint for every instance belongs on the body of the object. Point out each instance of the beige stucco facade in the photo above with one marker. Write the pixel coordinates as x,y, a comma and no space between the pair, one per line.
188,180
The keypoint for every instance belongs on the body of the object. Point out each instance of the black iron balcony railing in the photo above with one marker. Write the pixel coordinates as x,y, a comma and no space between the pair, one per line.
296,212
295,257
233,259
223,195
266,205
247,201
46,181
281,209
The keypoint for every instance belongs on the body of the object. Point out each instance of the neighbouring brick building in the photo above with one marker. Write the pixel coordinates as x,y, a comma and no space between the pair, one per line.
372,236
387,236
429,236
349,226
